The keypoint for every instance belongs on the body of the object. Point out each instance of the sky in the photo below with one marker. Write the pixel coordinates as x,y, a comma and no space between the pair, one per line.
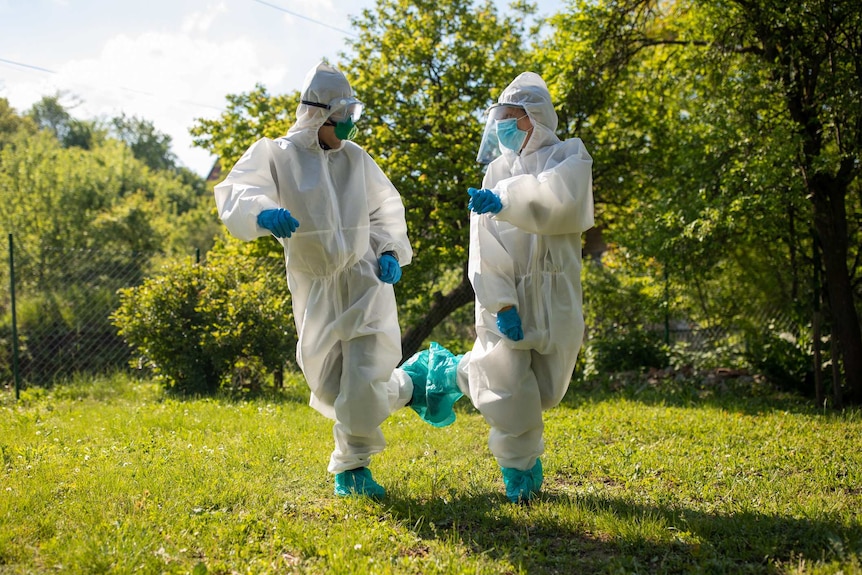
168,61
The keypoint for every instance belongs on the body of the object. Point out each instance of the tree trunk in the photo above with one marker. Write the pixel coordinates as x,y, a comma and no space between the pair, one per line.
443,306
830,220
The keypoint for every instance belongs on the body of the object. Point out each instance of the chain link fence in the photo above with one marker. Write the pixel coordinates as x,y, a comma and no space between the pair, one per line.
64,300
63,303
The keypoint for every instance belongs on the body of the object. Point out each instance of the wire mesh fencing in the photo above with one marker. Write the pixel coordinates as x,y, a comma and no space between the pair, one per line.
63,303
64,300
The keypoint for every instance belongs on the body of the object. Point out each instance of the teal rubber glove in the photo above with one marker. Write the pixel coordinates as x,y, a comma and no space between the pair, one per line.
278,221
509,323
390,270
484,201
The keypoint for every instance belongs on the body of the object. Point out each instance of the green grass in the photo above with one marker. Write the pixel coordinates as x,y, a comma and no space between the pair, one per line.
113,476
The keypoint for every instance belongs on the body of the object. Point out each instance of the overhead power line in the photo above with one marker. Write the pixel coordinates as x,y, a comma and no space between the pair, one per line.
30,66
318,22
125,89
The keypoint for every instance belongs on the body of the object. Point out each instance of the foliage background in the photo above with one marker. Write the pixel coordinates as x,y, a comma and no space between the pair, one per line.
726,162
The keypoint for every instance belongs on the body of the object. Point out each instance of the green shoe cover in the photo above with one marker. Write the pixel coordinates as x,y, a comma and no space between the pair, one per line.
417,368
435,384
522,486
357,482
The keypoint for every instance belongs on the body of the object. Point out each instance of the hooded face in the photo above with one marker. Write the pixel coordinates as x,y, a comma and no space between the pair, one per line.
528,95
327,98
513,126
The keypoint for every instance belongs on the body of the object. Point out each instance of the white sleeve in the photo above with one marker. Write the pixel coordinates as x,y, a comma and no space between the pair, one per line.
556,201
249,188
490,267
387,218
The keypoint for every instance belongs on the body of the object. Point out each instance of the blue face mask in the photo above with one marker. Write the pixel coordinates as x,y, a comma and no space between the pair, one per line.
510,135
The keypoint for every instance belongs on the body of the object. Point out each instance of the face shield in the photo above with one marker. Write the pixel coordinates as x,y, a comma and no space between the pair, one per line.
501,130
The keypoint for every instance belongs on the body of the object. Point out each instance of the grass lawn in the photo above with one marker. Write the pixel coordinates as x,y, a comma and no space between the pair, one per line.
113,476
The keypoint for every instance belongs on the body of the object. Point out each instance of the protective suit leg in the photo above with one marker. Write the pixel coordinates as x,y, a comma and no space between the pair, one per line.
349,345
553,374
435,388
367,397
503,387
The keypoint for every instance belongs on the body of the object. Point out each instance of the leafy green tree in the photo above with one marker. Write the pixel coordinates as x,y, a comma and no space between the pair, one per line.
50,114
247,118
11,123
426,71
722,134
812,54
145,142
86,220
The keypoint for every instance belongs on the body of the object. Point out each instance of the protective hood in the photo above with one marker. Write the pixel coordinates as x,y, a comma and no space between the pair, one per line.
325,92
527,91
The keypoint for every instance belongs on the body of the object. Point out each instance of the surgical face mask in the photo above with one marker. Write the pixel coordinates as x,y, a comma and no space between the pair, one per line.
510,135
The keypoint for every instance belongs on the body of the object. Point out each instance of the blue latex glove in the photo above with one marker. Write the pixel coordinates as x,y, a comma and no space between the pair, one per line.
390,270
484,201
278,221
509,323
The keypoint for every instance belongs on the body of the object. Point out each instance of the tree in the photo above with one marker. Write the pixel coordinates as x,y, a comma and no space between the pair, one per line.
50,114
813,51
145,142
248,117
426,70
86,221
730,129
11,122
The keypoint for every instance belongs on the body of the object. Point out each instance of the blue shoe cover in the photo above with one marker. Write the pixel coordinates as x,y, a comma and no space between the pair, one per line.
357,482
435,384
522,486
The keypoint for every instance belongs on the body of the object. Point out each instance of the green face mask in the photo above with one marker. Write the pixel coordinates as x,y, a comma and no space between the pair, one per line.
345,129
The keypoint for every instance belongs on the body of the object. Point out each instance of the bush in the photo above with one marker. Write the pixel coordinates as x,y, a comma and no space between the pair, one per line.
781,357
204,326
628,350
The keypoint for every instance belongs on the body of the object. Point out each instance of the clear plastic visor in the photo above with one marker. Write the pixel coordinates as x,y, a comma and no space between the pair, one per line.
344,108
340,108
489,148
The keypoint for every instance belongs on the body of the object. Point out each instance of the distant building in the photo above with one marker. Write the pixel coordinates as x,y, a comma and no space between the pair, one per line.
215,172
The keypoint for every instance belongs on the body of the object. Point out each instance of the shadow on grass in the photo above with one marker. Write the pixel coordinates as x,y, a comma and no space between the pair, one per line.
290,393
599,534
745,395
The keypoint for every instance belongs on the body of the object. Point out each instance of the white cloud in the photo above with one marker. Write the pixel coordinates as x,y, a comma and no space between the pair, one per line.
170,79
203,20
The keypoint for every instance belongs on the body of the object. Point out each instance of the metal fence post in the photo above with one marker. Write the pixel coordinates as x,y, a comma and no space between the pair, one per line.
666,305
15,375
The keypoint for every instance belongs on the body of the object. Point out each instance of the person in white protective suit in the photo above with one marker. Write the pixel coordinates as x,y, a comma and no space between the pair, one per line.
342,225
525,266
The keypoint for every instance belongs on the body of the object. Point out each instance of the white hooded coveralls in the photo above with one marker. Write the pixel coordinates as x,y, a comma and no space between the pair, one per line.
349,213
528,255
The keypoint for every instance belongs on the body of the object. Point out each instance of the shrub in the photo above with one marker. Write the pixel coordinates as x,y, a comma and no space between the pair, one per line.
628,350
781,357
199,325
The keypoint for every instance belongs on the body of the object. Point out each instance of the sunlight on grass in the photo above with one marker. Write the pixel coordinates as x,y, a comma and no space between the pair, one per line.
112,475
